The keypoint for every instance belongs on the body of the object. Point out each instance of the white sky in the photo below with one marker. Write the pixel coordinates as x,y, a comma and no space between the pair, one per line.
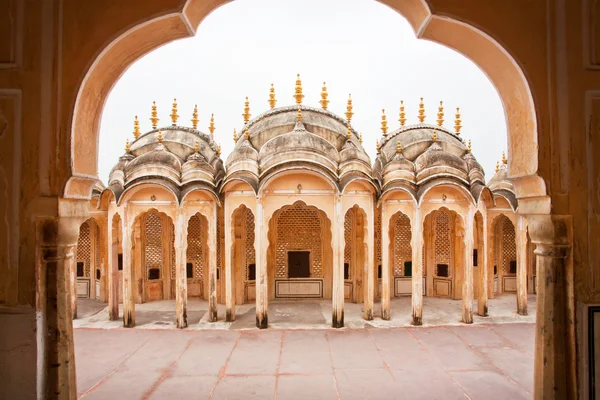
357,46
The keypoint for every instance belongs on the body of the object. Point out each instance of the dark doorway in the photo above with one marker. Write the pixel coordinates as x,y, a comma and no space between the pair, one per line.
299,264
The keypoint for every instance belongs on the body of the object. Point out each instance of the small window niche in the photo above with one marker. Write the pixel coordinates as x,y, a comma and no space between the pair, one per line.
346,271
189,270
408,268
251,272
379,271
512,268
98,274
475,258
120,262
495,270
442,270
153,274
80,268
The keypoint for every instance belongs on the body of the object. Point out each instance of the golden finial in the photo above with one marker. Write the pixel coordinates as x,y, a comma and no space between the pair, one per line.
469,148
504,160
421,111
399,147
127,147
434,138
195,119
173,114
402,114
136,127
440,114
349,132
246,134
349,112
211,126
235,138
218,150
457,124
298,94
497,166
384,126
377,146
360,138
299,113
196,146
324,102
159,138
246,113
272,100
154,117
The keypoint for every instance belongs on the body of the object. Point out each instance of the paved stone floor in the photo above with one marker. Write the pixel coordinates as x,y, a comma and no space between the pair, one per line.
485,361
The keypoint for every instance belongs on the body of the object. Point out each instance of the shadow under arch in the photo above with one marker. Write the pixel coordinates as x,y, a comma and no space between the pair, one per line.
148,32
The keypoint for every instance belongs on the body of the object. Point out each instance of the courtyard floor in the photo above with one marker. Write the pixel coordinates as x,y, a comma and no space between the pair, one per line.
485,361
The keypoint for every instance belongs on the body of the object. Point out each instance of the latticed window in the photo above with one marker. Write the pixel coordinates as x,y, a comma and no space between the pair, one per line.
153,254
509,247
442,246
299,228
348,239
97,248
249,239
84,248
378,236
402,248
195,245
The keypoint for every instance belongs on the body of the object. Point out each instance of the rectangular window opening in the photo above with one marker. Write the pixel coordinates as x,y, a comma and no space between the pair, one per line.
189,270
251,272
120,262
298,264
407,268
513,267
442,270
475,257
80,267
379,271
153,274
346,271
98,274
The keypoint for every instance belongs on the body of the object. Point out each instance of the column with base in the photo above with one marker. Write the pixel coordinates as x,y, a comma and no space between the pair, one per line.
385,264
72,265
262,293
417,268
337,237
112,270
522,265
212,264
128,273
181,268
482,301
229,284
467,294
369,284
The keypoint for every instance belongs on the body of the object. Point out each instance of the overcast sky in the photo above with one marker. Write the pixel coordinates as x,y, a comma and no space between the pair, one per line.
357,46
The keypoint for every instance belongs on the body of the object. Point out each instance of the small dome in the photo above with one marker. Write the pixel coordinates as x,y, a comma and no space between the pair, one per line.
434,156
160,156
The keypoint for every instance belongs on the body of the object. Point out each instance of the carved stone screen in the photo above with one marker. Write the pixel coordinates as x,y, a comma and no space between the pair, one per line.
402,248
153,256
84,248
509,246
348,241
195,246
250,254
442,244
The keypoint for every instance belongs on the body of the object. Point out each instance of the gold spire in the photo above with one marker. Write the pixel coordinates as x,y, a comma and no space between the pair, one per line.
457,124
497,166
504,160
298,94
469,148
173,114
246,113
421,111
218,150
324,102
272,100
246,134
195,119
235,138
440,114
402,119
154,117
349,112
211,126
349,132
127,147
136,127
299,113
159,138
377,146
196,146
384,126
360,138
434,138
399,147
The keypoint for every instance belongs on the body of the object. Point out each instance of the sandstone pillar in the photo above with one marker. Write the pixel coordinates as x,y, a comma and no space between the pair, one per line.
112,271
385,263
467,293
181,268
128,273
71,264
212,264
369,265
482,301
521,237
229,284
417,268
551,362
260,247
337,237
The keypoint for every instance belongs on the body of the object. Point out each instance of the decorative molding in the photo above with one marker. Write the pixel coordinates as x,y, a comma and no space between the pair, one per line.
11,34
299,288
591,33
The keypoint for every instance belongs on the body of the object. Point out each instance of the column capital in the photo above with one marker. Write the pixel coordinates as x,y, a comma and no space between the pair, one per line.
550,230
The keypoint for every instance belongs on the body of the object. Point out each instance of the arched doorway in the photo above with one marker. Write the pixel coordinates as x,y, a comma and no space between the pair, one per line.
400,254
504,255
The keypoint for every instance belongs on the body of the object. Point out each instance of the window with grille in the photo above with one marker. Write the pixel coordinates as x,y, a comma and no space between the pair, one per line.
195,248
153,253
442,245
298,264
